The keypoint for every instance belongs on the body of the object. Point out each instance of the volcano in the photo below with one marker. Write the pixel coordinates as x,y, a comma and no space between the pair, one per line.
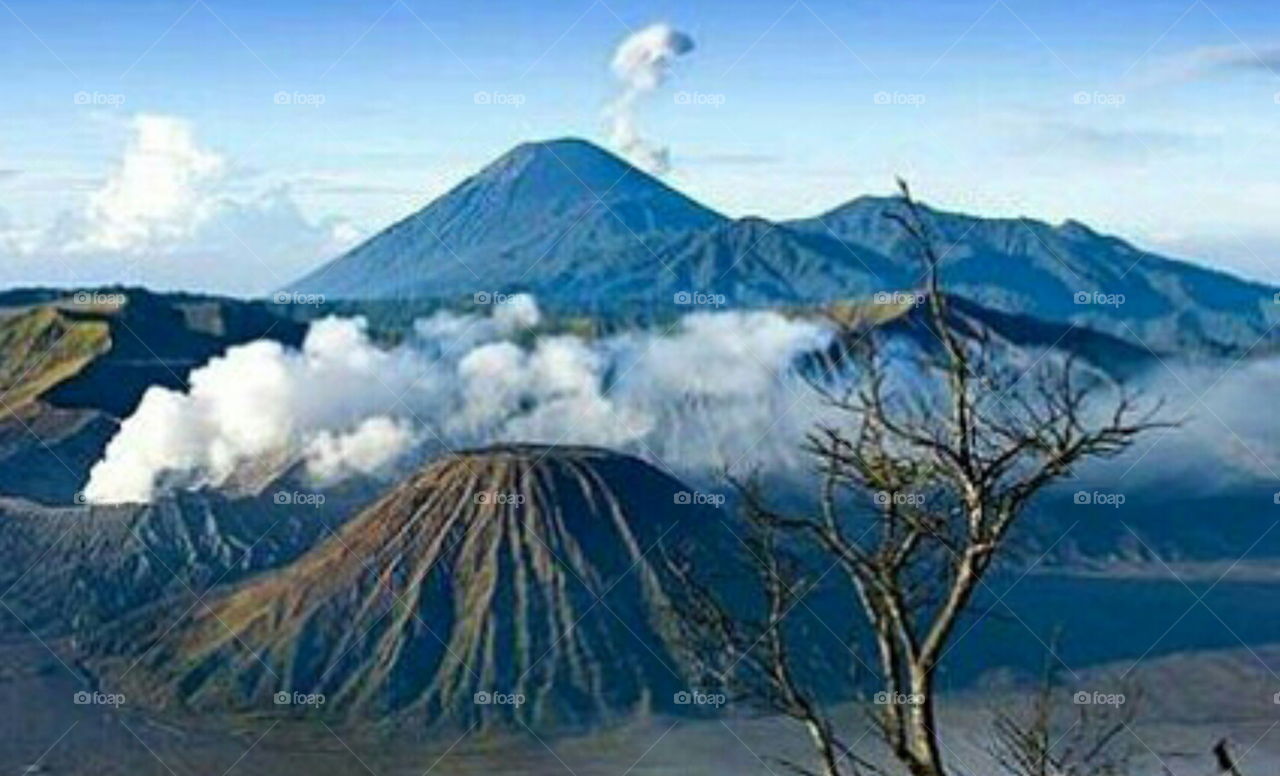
587,233
539,216
518,585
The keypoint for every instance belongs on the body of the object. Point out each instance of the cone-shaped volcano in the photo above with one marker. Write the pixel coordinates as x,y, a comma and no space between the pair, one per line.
514,585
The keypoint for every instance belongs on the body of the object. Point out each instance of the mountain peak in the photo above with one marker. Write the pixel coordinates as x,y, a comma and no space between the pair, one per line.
567,169
1074,229
571,166
567,146
448,588
559,156
868,208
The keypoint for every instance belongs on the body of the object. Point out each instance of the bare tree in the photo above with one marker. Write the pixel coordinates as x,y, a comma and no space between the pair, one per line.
1042,739
937,452
745,644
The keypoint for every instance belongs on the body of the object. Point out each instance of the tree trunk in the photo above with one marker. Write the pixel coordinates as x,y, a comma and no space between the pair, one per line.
925,757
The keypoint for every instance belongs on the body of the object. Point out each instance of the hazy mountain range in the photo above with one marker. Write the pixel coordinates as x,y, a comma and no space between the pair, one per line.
584,230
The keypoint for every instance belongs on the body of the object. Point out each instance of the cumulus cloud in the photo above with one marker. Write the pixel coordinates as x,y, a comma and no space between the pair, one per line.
719,391
160,191
643,62
172,213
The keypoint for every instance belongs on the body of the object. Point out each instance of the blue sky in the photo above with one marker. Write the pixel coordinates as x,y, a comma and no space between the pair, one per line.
1154,120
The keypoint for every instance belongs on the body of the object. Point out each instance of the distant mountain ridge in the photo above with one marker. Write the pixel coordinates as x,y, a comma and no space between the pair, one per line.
585,231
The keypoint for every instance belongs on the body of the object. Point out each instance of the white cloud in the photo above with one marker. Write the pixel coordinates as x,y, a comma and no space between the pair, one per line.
170,214
163,189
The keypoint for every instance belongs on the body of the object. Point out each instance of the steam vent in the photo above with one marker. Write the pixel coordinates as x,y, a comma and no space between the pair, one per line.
502,587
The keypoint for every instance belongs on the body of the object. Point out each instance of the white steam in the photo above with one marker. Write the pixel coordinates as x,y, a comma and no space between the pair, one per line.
720,390
263,401
373,443
1224,418
642,62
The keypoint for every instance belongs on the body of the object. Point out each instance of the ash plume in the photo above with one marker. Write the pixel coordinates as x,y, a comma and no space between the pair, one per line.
643,63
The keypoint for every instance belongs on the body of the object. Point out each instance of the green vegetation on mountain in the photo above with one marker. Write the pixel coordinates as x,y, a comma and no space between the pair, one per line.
41,347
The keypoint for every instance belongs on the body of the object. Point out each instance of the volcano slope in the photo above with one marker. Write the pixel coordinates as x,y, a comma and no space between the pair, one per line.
74,570
534,575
